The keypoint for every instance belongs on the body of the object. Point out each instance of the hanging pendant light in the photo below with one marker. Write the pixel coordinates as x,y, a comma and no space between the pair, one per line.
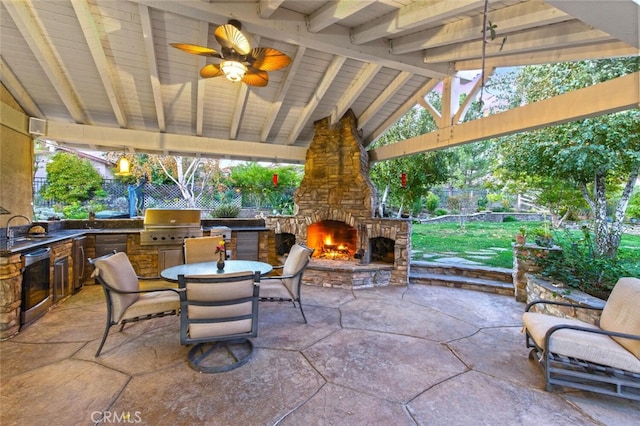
123,167
275,179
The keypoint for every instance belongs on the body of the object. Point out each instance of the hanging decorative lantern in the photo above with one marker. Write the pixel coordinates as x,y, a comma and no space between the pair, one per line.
403,180
123,167
275,179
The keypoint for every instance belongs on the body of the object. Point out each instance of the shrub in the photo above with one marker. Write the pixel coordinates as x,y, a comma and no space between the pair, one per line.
482,203
226,210
432,202
440,212
454,202
578,266
509,219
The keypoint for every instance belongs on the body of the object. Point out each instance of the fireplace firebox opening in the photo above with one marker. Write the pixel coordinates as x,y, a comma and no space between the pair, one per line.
332,239
284,242
382,249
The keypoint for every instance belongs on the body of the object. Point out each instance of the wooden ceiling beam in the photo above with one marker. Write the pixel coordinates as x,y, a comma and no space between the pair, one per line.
607,49
17,90
391,89
267,7
411,16
113,139
152,63
540,39
31,29
508,20
290,27
285,83
318,94
349,97
333,12
406,106
102,64
603,98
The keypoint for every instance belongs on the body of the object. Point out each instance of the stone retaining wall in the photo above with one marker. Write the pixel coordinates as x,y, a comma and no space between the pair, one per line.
539,289
485,217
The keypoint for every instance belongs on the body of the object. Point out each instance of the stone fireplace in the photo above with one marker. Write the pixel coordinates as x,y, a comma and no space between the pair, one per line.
335,214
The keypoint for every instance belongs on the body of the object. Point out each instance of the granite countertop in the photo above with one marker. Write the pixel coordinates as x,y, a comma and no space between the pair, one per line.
27,242
63,230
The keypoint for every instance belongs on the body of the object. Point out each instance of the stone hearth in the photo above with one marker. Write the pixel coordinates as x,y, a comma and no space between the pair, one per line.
336,189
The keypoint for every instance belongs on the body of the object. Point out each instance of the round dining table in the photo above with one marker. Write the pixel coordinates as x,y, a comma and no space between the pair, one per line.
211,268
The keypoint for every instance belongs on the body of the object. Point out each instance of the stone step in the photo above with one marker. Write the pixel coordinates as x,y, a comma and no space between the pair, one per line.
469,283
461,270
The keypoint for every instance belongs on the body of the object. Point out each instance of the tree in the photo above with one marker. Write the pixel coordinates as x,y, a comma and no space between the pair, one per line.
190,174
599,156
71,180
422,170
186,172
257,183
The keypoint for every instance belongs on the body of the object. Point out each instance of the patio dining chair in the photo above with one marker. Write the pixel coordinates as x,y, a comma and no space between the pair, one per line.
286,287
219,313
126,301
201,249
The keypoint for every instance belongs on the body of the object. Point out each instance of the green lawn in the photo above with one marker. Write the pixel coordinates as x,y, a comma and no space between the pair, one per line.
486,243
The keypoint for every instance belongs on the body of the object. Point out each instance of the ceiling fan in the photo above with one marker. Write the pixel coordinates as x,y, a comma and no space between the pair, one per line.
239,62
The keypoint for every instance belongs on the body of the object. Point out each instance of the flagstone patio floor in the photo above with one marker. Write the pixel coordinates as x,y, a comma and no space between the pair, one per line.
417,355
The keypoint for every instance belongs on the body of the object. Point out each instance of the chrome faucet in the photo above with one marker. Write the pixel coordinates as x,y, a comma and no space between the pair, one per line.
9,232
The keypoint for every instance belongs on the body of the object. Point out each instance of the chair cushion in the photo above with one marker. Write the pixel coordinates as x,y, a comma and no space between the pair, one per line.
153,303
202,249
219,329
295,262
622,313
274,288
117,272
592,347
230,295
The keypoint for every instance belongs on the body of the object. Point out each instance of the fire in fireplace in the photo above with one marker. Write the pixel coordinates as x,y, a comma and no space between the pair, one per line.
332,239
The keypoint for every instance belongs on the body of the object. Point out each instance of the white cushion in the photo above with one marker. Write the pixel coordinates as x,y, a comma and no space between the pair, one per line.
622,313
202,249
596,348
198,331
153,303
117,271
274,288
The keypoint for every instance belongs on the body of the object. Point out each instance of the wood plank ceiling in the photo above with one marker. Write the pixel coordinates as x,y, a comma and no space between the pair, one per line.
103,76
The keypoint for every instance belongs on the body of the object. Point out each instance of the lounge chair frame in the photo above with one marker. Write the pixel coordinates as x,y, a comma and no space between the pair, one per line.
560,370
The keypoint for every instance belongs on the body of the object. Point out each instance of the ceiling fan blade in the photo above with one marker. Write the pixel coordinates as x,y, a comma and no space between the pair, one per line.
256,78
195,49
211,70
268,59
232,38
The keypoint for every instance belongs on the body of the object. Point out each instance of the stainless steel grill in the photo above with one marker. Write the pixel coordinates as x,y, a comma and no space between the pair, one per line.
170,226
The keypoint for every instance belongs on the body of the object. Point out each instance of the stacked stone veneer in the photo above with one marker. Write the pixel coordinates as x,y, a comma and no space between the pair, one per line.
540,289
336,186
529,287
10,295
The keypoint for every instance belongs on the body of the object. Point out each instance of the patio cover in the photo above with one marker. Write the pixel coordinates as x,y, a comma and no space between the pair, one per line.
102,75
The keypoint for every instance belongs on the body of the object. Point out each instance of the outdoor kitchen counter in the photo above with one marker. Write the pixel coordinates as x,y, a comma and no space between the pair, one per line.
25,242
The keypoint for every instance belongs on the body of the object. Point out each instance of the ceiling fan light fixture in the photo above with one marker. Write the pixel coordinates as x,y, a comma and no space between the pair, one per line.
233,70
